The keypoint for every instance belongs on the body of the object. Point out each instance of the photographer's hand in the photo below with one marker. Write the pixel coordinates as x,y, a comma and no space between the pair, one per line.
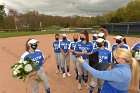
80,59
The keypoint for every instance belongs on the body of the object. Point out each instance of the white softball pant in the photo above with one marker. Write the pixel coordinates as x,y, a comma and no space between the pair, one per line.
74,61
57,59
95,82
43,77
82,71
63,60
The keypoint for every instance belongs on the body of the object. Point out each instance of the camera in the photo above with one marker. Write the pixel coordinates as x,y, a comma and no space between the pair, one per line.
78,56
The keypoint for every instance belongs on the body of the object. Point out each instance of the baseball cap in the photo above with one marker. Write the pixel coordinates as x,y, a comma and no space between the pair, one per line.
119,37
32,41
95,35
101,34
64,35
100,40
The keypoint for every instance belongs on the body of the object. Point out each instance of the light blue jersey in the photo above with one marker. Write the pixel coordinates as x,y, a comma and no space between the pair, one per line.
81,47
65,45
37,56
104,55
136,47
56,46
122,46
117,80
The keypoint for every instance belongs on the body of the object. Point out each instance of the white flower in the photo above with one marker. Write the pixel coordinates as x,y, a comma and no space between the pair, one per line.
28,68
19,66
15,73
137,56
20,61
16,69
15,66
19,77
136,52
24,62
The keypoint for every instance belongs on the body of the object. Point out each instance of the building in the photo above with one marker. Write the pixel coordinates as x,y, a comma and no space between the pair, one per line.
122,28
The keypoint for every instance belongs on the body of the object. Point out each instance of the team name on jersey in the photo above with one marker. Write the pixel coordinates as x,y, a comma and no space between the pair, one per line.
84,48
36,58
73,44
56,45
64,44
79,45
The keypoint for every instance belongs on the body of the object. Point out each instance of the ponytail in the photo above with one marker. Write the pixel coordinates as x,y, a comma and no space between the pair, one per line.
127,56
134,85
124,40
27,46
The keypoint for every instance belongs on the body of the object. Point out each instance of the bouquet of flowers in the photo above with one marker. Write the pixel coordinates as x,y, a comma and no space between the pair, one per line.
23,68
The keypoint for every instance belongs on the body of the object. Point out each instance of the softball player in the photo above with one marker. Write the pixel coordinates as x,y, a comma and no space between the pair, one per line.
104,55
64,46
95,36
103,33
136,49
73,43
83,48
107,43
36,55
57,52
119,43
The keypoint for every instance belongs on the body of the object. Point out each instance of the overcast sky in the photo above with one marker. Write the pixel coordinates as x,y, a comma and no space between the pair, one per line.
65,7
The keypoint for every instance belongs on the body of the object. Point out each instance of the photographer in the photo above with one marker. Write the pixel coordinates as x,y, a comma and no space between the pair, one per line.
104,56
124,77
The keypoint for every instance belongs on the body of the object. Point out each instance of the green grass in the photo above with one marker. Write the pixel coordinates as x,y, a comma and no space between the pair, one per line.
18,34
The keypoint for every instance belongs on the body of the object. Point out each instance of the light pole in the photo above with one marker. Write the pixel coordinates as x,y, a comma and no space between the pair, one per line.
15,18
40,26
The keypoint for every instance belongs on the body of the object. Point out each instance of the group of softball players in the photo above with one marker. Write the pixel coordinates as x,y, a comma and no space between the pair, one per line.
82,46
79,46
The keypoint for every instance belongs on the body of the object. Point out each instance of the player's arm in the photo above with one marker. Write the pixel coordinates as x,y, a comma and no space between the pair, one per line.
79,53
61,48
76,50
90,52
45,59
69,48
62,51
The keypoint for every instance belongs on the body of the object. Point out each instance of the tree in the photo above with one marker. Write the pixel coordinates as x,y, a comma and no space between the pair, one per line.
100,19
132,11
2,14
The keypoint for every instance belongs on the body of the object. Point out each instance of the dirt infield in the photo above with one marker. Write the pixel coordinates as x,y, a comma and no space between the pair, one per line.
12,48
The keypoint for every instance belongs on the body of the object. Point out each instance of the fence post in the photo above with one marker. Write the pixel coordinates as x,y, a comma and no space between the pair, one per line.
112,28
127,28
